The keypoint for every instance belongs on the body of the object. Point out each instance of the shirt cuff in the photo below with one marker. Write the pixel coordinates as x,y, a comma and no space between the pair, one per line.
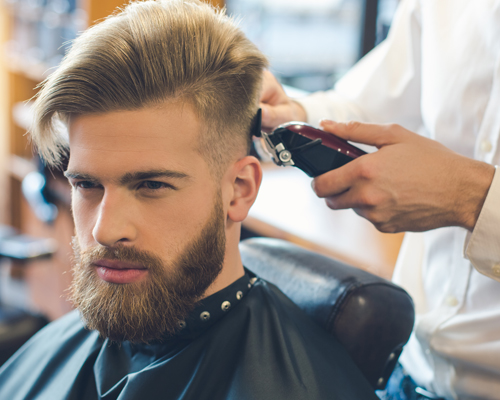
482,246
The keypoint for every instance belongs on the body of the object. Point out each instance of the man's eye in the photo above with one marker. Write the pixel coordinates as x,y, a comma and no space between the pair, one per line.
85,185
154,185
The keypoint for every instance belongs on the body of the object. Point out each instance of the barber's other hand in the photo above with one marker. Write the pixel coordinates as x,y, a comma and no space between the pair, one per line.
277,107
410,184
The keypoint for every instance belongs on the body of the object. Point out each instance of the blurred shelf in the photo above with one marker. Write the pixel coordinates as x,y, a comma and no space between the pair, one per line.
35,70
22,114
19,167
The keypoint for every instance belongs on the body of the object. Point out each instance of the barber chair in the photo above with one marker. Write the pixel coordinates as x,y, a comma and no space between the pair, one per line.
16,324
370,316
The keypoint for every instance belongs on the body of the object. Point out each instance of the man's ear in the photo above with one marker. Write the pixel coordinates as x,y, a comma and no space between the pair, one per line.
245,181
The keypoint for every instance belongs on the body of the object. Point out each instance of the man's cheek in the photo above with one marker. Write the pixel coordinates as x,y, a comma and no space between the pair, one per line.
84,218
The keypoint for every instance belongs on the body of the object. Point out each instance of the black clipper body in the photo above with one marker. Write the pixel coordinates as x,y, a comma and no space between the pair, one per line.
312,150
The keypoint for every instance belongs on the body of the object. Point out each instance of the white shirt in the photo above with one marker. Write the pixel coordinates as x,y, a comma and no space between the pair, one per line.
438,73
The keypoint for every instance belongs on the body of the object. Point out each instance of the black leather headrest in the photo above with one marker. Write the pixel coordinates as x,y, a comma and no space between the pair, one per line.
369,315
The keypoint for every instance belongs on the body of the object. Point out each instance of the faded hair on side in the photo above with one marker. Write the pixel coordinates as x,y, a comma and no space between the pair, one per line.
151,53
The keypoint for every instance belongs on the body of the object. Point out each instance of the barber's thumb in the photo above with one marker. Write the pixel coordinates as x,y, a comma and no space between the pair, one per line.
328,124
337,128
371,134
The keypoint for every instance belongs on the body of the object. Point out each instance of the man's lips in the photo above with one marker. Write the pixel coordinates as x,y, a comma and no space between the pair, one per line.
115,271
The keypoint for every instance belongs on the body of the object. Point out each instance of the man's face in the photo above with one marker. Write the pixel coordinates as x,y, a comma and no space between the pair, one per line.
150,224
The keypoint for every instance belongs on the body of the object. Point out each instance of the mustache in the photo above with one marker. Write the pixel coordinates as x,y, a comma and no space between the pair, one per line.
122,253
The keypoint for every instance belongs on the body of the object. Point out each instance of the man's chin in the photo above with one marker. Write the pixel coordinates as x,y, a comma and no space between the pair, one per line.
122,312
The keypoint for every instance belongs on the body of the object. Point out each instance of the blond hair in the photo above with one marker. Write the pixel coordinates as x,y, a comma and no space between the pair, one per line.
147,54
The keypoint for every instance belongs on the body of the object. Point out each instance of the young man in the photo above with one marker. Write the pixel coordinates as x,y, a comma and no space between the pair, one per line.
159,101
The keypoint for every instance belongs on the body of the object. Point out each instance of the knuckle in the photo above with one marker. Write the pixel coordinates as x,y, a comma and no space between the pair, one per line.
367,199
376,219
392,131
352,126
385,227
317,187
320,187
366,170
382,221
393,127
332,204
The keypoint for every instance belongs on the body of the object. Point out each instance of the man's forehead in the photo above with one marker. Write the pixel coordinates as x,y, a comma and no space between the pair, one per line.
147,139
146,129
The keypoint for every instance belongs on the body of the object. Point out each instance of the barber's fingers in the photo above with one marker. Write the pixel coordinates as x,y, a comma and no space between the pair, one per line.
272,116
357,198
272,91
337,181
365,202
371,134
277,107
370,204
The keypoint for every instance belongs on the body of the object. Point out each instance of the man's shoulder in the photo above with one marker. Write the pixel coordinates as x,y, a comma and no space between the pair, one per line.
46,354
267,296
286,351
62,330
270,306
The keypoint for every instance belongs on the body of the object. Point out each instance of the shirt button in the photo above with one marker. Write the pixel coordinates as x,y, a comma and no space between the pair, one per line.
486,146
452,301
496,270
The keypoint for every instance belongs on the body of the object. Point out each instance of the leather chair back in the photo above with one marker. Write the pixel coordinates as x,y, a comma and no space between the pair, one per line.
370,316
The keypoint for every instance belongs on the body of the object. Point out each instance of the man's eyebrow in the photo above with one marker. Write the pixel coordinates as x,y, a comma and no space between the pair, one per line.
79,175
132,176
152,174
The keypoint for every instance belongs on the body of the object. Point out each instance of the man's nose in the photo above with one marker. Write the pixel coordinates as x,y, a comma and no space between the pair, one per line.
114,222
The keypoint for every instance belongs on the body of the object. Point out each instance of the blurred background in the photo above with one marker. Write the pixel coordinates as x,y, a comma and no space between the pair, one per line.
310,43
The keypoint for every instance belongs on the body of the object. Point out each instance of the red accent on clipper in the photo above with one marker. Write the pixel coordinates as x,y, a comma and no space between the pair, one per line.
328,139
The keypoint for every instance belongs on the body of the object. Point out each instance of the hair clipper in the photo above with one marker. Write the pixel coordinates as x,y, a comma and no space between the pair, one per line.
301,145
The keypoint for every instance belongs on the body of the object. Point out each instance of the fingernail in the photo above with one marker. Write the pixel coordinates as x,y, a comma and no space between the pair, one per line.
313,185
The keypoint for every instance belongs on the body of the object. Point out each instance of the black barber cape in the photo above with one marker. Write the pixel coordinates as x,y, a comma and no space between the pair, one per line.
245,342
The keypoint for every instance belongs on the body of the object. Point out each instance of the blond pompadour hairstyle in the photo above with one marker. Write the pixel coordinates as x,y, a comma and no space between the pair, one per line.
147,55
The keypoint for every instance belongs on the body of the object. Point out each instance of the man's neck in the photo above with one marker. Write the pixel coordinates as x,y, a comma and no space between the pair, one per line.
232,268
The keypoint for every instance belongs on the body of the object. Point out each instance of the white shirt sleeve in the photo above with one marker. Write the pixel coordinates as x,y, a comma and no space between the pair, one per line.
384,86
482,246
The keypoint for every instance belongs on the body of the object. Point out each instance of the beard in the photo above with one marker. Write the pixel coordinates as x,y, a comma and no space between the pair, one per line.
150,309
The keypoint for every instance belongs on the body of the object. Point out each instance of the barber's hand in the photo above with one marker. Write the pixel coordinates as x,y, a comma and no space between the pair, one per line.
277,107
410,184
